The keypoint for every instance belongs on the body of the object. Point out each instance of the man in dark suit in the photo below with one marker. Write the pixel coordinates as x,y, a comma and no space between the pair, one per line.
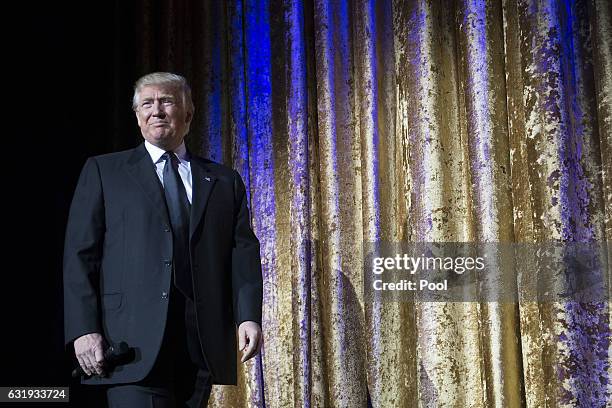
159,253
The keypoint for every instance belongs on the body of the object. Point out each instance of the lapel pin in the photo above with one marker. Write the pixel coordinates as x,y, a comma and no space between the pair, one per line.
207,178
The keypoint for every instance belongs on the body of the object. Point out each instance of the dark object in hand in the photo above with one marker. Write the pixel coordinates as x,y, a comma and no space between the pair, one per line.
115,355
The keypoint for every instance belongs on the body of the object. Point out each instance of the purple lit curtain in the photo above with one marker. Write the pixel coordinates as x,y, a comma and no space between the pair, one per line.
404,120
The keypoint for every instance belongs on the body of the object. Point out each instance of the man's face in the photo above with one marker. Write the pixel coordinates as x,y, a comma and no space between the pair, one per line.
162,117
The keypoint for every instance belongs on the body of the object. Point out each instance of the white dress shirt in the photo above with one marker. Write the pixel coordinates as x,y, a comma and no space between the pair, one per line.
184,164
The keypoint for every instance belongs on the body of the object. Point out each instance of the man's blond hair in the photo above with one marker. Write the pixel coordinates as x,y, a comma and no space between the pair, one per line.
164,78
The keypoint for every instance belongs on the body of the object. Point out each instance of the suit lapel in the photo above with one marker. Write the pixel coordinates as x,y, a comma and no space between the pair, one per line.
202,184
142,170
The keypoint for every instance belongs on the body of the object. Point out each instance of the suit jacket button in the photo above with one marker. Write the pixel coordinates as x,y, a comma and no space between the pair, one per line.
166,228
164,295
167,262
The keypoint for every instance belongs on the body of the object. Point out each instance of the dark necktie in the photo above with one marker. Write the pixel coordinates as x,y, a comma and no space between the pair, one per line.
178,210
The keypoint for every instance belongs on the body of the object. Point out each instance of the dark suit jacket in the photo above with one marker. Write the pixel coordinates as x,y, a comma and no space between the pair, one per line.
118,252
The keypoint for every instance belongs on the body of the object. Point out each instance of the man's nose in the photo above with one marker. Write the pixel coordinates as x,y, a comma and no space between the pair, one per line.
158,109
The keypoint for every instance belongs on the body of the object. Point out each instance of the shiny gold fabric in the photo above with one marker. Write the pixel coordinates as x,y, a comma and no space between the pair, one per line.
405,120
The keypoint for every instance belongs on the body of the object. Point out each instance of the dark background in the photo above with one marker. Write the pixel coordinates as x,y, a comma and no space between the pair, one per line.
63,86
70,69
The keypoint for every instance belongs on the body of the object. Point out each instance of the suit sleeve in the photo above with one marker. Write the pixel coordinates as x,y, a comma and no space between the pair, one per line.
246,263
82,254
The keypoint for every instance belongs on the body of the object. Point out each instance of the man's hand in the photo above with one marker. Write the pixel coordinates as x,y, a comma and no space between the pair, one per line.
250,339
89,350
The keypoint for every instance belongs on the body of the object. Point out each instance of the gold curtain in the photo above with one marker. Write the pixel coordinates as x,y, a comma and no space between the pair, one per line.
406,120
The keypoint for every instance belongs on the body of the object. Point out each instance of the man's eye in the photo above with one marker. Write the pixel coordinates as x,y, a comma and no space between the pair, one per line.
168,102
146,105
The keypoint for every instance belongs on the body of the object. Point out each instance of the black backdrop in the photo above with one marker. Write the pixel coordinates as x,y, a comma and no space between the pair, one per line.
62,86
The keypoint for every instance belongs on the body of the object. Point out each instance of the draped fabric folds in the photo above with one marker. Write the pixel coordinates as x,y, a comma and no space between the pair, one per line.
404,120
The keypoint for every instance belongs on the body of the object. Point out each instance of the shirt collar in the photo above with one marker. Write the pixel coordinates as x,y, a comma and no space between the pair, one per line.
156,153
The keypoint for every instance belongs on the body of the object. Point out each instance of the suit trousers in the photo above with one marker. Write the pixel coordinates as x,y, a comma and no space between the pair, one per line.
179,377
